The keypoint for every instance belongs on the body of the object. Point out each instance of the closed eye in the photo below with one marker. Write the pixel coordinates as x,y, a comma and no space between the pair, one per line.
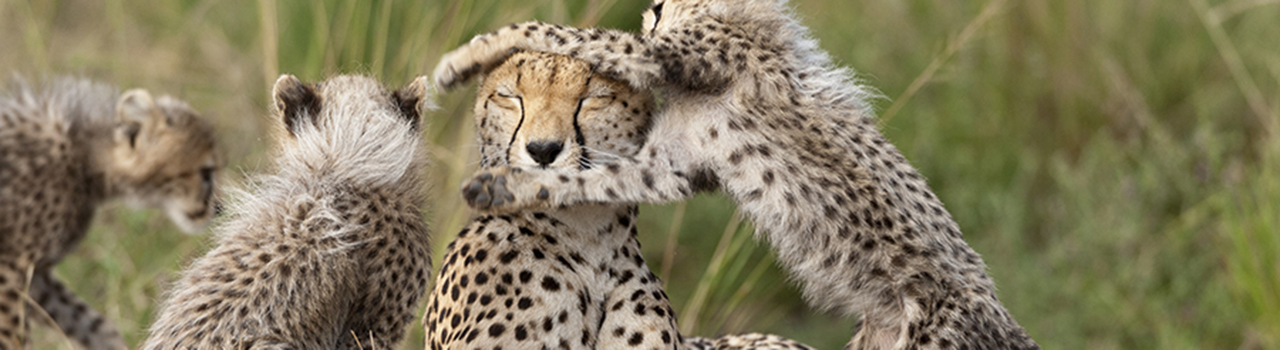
592,103
504,101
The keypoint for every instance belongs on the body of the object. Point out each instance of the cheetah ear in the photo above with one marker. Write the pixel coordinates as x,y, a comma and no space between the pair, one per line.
295,100
134,110
414,99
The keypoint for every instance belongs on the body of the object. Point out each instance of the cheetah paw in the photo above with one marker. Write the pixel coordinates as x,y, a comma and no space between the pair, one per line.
465,62
449,75
503,189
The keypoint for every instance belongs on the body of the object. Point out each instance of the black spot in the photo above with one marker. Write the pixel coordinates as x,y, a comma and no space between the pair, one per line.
550,284
636,339
508,256
521,334
496,330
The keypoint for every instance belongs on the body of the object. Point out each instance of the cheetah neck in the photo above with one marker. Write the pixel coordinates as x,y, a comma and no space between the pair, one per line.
598,225
91,141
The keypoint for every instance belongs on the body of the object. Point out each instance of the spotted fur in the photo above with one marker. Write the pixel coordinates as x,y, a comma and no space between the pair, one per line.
565,278
755,109
66,148
330,250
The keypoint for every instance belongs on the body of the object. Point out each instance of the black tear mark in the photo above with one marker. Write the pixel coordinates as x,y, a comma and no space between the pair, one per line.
584,160
517,131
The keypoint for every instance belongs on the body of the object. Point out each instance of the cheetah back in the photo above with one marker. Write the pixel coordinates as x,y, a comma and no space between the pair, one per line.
328,251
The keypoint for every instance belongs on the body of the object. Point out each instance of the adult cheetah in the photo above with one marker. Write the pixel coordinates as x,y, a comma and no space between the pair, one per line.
67,147
329,251
569,277
757,110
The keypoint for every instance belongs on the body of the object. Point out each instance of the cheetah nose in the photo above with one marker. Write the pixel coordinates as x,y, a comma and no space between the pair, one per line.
544,152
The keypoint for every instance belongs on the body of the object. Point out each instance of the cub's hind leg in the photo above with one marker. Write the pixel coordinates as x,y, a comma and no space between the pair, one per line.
13,286
73,316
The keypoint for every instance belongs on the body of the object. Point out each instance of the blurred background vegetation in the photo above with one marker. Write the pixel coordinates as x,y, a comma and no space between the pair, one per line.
1116,163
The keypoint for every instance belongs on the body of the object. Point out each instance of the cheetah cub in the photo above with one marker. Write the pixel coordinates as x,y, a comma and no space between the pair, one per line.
755,109
330,250
569,277
67,147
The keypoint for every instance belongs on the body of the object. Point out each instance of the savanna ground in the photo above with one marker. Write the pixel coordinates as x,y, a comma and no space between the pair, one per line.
1117,163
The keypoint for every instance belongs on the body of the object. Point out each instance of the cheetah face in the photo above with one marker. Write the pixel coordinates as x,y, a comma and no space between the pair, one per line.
549,111
165,157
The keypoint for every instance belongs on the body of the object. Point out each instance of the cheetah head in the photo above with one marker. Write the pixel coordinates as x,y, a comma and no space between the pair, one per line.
540,110
349,129
163,155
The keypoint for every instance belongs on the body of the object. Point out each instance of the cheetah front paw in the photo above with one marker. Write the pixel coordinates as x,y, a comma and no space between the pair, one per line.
467,61
449,74
503,189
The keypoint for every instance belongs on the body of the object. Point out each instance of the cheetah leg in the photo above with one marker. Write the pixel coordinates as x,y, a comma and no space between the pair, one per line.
643,323
617,54
753,341
708,60
638,315
13,287
657,175
698,343
73,316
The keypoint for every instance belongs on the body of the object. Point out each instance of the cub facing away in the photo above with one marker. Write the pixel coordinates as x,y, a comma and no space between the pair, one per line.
328,251
67,147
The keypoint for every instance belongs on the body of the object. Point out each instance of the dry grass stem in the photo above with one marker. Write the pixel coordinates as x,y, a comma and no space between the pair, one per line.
955,45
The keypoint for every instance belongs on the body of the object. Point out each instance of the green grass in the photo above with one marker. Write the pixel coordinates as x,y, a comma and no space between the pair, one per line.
1116,162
